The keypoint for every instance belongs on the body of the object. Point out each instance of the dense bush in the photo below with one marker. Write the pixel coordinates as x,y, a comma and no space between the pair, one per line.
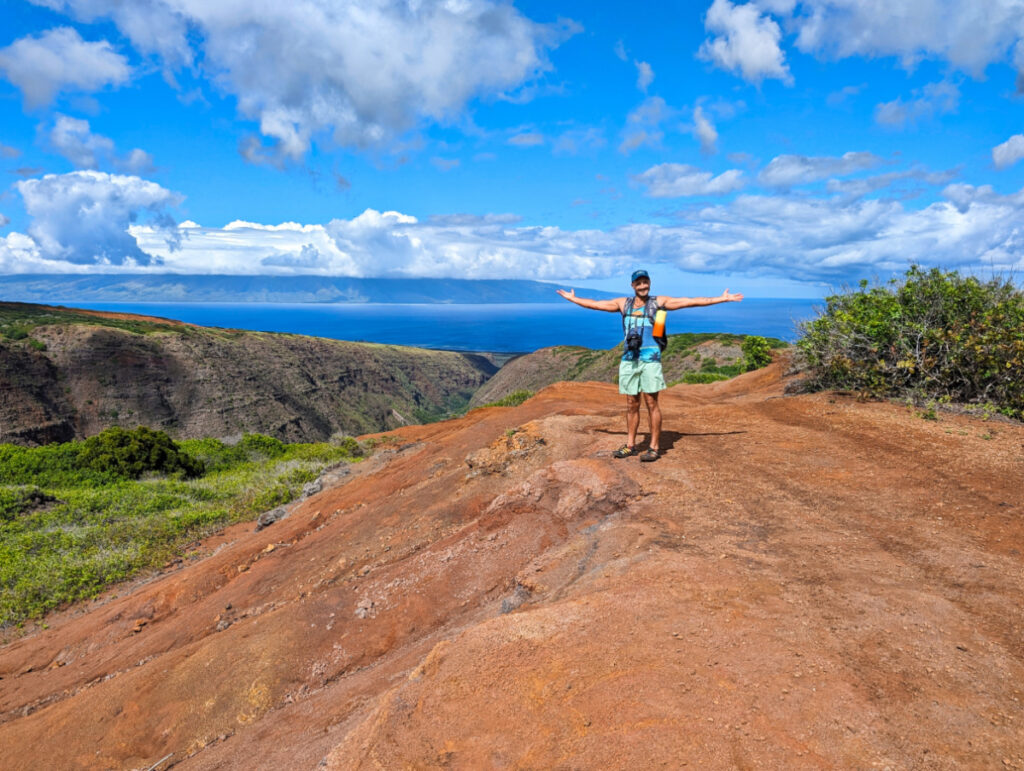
130,454
514,399
931,335
757,352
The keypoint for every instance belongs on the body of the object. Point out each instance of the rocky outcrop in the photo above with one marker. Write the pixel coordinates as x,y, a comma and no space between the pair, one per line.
72,380
805,582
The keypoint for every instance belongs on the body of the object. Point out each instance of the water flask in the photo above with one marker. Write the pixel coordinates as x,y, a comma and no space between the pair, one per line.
659,324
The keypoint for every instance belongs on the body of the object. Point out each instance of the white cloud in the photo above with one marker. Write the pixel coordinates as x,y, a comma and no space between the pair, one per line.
672,180
643,125
84,217
934,99
620,50
1009,152
705,131
858,188
59,60
746,42
788,170
72,138
644,75
527,139
80,222
969,35
359,74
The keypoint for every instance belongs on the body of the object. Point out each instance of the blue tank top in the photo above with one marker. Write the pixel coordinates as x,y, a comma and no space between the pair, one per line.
641,318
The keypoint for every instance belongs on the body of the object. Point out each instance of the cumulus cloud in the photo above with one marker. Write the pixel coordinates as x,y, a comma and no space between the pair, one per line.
60,60
787,170
644,75
933,99
745,42
84,217
672,180
970,36
705,131
1009,152
904,184
804,238
72,138
745,38
307,257
359,74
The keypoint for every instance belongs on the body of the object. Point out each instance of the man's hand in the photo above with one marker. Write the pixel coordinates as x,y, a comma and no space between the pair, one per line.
731,298
570,295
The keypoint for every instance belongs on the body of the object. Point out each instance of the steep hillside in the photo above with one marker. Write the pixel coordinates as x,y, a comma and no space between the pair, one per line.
67,374
686,353
802,582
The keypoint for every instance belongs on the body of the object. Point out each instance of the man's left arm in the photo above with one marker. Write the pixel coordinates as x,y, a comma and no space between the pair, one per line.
675,303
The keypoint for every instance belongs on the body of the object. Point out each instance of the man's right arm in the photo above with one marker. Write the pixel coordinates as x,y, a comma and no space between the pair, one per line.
595,305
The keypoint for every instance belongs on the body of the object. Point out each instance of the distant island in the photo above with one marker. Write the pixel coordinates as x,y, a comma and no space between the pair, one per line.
168,287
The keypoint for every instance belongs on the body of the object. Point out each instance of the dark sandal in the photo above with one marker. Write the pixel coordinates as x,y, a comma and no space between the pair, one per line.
650,456
624,452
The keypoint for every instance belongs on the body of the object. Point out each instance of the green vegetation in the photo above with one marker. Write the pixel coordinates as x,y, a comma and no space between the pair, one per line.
79,516
514,399
757,352
930,335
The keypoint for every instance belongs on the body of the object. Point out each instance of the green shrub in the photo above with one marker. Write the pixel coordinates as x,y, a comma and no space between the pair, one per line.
130,454
757,352
701,377
514,399
933,334
37,345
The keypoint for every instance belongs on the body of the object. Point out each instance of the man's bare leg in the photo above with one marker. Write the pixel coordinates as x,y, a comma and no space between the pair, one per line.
632,418
654,413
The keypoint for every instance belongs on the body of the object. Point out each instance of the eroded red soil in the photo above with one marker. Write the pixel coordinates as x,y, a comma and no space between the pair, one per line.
800,582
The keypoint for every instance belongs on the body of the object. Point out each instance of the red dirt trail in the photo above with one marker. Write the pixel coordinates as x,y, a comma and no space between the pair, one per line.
800,582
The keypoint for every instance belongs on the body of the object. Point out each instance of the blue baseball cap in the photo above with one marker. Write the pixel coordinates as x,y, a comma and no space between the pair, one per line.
639,274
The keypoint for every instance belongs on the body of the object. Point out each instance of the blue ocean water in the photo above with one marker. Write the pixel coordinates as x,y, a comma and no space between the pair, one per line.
513,327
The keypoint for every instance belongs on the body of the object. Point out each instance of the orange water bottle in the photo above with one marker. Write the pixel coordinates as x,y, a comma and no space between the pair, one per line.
659,324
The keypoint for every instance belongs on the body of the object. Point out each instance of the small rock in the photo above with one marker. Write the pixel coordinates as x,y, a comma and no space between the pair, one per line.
364,570
267,518
312,488
270,548
365,608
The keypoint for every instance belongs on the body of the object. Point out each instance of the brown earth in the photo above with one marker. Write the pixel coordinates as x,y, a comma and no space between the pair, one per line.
800,582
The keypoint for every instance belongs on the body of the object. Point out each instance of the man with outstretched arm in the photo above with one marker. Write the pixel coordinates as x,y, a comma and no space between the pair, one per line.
640,368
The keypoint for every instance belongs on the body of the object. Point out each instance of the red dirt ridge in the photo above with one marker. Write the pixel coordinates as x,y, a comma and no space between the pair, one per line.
800,582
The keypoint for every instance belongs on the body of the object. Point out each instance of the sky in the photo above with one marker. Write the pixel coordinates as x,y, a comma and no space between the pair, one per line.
782,148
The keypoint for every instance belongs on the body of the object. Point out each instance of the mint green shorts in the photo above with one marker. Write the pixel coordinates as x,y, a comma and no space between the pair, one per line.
637,377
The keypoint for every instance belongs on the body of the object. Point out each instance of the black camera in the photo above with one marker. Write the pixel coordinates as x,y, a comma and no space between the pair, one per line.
633,342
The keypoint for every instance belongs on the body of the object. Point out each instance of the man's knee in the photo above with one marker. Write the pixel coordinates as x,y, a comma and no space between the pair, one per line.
633,402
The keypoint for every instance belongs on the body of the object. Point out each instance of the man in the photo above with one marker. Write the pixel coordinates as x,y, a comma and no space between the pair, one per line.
640,368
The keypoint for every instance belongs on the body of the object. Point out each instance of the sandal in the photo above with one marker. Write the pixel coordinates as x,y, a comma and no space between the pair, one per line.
624,452
650,456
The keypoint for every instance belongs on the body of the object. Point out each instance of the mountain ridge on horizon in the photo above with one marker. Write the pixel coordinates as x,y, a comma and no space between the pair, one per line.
174,287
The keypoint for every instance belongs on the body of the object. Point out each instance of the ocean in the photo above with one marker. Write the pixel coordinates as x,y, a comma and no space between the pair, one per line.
500,328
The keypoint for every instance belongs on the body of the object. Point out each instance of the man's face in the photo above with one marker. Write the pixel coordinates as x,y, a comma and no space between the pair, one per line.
642,287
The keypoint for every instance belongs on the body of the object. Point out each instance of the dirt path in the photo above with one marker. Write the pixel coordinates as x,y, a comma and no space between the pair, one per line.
805,582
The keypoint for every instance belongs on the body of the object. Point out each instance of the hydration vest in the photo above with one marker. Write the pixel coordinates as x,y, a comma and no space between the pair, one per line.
650,310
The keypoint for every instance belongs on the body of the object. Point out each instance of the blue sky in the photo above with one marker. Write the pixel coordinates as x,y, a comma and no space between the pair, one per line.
778,147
